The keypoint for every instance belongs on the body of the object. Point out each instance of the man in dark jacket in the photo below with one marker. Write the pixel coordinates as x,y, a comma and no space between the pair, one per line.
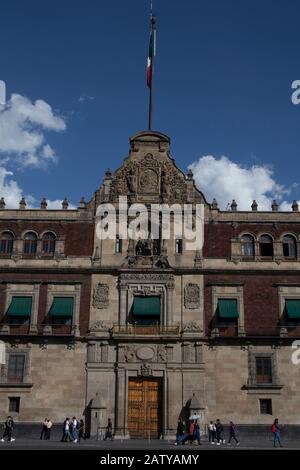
219,432
8,429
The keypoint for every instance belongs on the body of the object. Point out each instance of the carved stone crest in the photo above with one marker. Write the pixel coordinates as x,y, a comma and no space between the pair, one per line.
100,296
191,326
149,181
99,326
192,296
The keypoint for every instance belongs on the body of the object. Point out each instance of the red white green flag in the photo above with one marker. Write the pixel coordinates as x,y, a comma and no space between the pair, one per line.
151,55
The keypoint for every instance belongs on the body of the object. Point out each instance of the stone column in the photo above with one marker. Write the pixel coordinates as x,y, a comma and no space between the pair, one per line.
34,314
121,431
122,303
169,313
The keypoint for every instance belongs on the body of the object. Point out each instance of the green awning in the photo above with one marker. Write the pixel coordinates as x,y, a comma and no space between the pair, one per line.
146,306
227,308
62,307
292,308
20,307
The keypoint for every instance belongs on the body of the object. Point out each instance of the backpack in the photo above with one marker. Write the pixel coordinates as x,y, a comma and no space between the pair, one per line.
273,429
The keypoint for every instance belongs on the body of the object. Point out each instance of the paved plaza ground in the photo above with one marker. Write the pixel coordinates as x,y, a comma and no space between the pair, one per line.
153,445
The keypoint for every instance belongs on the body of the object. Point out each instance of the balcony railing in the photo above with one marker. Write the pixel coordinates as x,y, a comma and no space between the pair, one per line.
137,330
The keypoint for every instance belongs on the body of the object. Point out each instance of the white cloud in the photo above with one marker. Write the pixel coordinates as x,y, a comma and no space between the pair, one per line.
12,193
226,180
84,97
23,126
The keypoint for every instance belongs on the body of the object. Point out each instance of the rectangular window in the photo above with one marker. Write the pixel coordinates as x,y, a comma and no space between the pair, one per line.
265,406
178,246
16,368
263,370
19,310
14,405
61,311
118,245
146,310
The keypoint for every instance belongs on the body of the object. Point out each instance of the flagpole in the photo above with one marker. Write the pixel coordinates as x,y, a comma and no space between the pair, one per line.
153,32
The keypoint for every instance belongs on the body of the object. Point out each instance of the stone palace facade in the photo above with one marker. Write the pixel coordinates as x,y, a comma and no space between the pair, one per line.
147,331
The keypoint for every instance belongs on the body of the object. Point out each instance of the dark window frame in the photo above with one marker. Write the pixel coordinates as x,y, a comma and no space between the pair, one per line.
265,406
248,246
17,402
6,243
266,248
289,252
16,374
30,244
48,244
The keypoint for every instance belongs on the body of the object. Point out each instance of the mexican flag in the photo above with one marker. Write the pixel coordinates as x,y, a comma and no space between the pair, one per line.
151,55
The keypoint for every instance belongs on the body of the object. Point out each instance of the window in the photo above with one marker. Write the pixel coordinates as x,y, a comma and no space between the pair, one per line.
19,310
265,406
289,247
6,243
227,312
266,246
146,310
61,311
247,246
178,246
30,243
48,243
14,404
264,370
16,368
292,311
118,245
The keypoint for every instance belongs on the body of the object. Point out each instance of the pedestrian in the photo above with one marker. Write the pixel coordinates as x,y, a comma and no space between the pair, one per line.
232,433
81,433
108,430
74,432
66,431
219,432
190,436
197,433
276,433
44,429
211,432
179,432
48,429
8,429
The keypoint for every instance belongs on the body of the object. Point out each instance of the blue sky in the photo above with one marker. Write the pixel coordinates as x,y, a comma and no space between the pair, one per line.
222,89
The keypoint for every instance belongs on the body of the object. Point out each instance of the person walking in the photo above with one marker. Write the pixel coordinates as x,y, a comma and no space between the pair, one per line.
232,433
48,429
44,429
8,429
66,431
190,436
197,433
81,434
211,432
219,432
276,433
75,426
108,430
179,432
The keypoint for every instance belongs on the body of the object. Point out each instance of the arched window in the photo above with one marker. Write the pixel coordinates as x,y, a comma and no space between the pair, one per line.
266,246
247,246
6,243
48,243
289,247
30,243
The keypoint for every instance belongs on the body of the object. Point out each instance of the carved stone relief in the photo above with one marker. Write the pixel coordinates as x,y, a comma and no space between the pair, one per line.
192,296
101,296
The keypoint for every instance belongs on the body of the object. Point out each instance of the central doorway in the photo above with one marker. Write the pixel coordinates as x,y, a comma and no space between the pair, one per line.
145,407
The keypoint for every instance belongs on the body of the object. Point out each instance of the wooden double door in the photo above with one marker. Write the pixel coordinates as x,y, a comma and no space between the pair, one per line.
145,407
